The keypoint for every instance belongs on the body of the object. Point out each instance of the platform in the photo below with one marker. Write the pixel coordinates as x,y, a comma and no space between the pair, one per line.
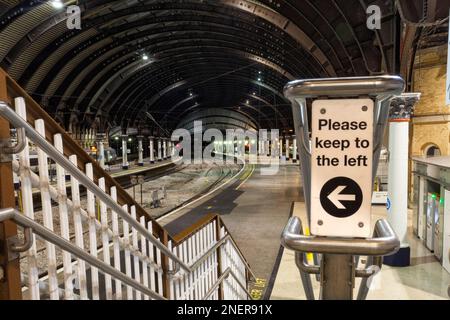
425,279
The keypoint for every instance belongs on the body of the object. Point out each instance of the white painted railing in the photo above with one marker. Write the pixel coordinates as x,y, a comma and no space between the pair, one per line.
85,245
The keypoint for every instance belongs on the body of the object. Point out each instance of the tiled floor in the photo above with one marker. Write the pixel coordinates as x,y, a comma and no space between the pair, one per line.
424,279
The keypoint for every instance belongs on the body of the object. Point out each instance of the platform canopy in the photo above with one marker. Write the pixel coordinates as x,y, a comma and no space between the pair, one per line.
167,59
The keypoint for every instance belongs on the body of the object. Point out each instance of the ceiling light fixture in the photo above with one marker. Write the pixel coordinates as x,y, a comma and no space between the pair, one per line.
145,57
57,4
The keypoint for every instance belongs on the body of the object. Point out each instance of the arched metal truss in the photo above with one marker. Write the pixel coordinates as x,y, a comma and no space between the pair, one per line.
223,52
216,118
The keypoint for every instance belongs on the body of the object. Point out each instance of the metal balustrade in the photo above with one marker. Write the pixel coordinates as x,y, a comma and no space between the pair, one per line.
97,248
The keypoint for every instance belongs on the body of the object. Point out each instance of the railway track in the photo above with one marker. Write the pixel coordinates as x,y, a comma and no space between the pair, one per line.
224,175
123,180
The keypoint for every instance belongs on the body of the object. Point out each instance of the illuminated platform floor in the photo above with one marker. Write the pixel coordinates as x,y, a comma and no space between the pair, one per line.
425,279
255,208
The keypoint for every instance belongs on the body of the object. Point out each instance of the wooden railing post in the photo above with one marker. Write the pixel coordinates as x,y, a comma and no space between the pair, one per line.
219,259
10,288
164,237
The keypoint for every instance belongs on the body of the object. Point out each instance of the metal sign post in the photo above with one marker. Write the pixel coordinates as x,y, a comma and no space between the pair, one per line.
339,164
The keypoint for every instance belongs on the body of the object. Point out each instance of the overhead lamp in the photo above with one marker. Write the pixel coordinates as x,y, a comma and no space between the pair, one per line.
259,79
254,93
259,72
57,4
145,57
116,138
129,140
247,102
191,94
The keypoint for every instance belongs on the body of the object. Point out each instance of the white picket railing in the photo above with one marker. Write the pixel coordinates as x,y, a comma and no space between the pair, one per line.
93,248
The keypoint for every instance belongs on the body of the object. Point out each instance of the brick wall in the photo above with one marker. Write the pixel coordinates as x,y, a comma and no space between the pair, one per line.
430,79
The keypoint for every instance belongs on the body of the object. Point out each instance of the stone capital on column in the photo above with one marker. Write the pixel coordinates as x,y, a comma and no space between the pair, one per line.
100,137
402,106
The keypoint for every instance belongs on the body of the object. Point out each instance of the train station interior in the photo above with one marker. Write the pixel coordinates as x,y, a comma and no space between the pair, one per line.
224,150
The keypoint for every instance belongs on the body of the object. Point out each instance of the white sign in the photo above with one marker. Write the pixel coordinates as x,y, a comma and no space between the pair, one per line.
447,96
341,167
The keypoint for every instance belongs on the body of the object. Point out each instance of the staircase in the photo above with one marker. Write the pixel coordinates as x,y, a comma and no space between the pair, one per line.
104,245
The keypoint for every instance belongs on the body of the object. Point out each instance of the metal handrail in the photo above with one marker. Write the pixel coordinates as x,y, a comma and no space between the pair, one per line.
385,243
217,245
49,235
225,275
58,157
18,147
338,87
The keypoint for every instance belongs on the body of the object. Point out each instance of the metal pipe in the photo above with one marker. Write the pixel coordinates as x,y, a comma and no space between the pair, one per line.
13,214
58,157
304,266
305,271
225,275
27,243
386,242
338,87
18,147
217,245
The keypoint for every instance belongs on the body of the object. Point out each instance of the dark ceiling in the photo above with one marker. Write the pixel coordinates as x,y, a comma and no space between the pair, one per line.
229,54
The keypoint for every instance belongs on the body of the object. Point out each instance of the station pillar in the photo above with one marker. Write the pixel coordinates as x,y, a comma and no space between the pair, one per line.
294,150
169,149
159,150
287,149
152,149
164,145
100,140
140,151
280,147
125,164
399,117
